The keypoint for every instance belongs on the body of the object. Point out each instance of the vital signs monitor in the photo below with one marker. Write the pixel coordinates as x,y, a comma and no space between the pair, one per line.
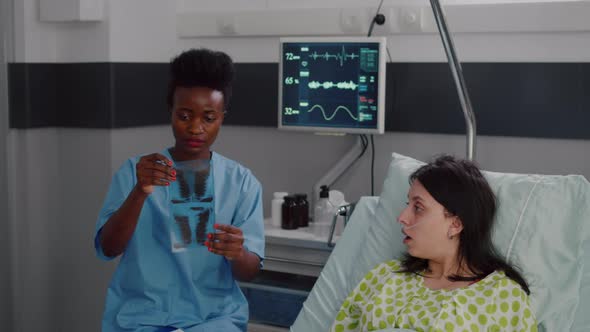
332,84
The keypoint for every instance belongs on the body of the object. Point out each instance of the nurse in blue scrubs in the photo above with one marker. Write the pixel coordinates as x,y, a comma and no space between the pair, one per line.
160,285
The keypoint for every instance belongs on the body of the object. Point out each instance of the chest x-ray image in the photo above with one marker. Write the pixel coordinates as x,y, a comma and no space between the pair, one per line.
191,198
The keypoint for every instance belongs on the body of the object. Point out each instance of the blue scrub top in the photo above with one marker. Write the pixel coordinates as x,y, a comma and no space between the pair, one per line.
155,287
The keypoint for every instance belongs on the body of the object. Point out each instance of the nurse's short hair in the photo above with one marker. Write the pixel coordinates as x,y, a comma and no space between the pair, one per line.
201,68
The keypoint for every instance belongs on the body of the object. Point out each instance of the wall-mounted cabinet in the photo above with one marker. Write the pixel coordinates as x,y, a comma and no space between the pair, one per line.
71,10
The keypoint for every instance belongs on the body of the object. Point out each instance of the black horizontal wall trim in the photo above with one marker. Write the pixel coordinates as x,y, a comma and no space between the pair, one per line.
550,100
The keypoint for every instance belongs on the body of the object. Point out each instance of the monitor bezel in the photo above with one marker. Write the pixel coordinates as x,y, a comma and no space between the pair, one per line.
381,90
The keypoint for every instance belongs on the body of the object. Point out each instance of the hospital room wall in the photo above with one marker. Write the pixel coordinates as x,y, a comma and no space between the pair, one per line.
57,181
306,157
59,175
293,162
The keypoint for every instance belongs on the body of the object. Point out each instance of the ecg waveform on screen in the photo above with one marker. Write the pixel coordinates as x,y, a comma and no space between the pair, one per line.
328,85
329,118
342,57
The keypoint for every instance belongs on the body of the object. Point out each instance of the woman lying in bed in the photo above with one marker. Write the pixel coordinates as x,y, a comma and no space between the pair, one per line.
451,278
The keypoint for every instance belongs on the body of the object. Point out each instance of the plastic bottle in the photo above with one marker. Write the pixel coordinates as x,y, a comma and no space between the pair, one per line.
323,213
303,208
276,206
290,215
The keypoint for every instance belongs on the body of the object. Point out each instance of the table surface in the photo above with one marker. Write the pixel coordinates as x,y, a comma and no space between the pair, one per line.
301,237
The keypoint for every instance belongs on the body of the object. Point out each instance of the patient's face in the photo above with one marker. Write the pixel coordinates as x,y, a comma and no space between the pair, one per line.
425,225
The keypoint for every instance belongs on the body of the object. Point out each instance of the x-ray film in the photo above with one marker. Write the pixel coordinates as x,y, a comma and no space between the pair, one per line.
193,208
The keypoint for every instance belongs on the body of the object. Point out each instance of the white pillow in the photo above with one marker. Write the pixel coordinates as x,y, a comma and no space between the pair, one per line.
540,226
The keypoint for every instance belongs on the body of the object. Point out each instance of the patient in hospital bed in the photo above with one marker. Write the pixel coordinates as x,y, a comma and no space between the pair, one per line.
451,278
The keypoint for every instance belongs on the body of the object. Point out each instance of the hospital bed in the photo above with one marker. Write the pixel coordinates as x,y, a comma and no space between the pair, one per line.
542,226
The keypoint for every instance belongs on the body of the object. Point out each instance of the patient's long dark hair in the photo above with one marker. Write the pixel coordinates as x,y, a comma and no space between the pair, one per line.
459,186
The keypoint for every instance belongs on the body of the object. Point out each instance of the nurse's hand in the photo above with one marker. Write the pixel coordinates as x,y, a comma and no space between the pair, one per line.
154,170
228,241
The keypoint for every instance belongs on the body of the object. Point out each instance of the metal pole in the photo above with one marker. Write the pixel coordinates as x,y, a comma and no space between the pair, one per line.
7,274
457,72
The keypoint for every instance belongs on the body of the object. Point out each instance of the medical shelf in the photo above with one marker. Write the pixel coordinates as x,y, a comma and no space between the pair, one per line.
295,251
293,261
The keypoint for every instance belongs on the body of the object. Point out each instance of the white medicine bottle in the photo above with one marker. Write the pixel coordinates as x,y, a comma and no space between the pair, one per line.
276,208
323,213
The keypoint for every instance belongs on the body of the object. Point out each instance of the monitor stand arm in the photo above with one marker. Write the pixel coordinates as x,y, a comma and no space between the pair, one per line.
337,171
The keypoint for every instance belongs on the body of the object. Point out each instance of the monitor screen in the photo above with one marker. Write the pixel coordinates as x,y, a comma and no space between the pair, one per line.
332,84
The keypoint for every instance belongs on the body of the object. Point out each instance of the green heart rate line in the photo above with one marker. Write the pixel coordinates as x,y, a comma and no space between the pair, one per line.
328,85
342,57
329,118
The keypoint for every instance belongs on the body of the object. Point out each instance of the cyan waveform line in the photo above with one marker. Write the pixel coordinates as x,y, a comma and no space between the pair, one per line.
335,112
342,56
328,85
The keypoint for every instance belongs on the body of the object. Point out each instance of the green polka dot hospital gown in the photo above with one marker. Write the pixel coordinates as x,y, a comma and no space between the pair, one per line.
386,299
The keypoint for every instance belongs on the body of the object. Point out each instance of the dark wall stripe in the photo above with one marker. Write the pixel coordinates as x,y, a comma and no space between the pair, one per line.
83,96
255,95
549,100
139,94
32,88
509,99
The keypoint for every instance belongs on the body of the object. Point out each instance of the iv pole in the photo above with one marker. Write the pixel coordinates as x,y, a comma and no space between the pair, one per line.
457,72
344,164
